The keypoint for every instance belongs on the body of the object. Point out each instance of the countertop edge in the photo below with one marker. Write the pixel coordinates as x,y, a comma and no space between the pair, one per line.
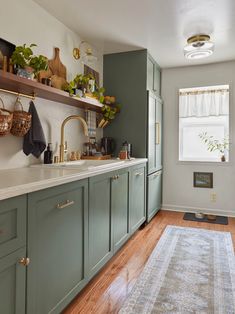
21,189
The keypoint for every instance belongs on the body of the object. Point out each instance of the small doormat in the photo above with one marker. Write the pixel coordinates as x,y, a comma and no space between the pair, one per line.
221,220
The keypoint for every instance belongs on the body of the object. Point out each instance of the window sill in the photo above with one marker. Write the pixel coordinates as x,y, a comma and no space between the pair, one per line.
205,163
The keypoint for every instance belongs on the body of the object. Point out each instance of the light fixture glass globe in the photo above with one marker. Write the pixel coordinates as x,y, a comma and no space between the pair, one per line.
198,49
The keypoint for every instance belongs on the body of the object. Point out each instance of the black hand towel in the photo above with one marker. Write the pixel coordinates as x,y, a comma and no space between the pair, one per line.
34,140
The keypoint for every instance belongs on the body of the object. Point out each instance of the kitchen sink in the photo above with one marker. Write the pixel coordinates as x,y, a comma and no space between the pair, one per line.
83,164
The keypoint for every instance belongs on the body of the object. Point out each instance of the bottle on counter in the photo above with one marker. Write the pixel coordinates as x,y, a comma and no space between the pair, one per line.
48,155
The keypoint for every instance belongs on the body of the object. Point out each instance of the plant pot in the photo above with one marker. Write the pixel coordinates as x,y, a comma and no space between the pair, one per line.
222,158
27,72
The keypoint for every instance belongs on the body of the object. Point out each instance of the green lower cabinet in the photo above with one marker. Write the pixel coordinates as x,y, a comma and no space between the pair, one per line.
12,283
137,197
99,221
120,208
154,198
57,246
12,224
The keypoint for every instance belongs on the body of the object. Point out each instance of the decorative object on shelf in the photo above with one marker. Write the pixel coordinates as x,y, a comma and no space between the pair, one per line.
79,85
94,74
34,141
203,180
6,50
6,117
198,46
215,145
86,52
108,114
21,122
28,65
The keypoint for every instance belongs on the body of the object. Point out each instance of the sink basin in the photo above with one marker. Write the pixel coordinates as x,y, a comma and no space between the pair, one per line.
83,164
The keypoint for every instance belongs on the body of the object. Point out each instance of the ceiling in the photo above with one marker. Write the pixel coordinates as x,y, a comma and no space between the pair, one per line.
161,26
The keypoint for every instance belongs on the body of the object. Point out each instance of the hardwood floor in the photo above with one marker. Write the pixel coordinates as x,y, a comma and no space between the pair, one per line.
106,293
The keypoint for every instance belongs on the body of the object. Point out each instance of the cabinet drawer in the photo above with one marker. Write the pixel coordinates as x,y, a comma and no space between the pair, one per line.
154,194
12,224
137,198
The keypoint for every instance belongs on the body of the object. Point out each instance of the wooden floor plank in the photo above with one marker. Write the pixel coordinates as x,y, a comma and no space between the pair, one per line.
106,293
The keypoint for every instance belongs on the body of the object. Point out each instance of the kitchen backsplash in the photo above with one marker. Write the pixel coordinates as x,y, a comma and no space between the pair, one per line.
35,25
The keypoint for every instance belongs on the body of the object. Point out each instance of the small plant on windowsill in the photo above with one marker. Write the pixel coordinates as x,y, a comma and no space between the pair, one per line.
215,145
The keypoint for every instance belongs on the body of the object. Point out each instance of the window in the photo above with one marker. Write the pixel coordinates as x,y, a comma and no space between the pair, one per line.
204,124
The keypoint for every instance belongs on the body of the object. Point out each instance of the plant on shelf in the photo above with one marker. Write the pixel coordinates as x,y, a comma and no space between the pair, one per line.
27,63
108,114
79,85
215,145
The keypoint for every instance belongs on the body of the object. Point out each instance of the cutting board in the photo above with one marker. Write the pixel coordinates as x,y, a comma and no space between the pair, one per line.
56,66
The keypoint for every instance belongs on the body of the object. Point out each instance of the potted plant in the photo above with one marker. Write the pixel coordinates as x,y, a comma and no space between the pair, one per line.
108,114
215,145
26,63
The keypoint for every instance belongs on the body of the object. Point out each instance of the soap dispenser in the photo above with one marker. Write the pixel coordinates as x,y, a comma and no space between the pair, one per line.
48,155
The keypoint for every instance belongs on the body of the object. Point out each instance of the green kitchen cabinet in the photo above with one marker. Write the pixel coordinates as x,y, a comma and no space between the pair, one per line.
120,208
154,185
12,224
12,283
57,246
100,236
137,197
153,75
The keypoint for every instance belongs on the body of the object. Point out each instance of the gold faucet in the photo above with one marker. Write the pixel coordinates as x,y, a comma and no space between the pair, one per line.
62,144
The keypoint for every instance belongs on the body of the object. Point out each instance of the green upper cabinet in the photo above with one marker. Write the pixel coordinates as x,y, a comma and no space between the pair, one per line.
120,208
153,76
12,283
100,237
12,224
57,246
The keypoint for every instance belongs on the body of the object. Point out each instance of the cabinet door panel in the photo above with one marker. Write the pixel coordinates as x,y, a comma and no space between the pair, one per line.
100,245
150,74
154,194
157,79
137,198
158,125
151,133
12,224
57,246
120,209
12,283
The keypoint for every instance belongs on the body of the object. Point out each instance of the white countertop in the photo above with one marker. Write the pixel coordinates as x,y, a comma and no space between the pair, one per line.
14,182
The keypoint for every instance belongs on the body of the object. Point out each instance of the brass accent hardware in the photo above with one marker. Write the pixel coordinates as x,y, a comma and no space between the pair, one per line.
76,53
24,261
67,203
157,133
63,145
18,94
115,177
138,174
157,174
196,38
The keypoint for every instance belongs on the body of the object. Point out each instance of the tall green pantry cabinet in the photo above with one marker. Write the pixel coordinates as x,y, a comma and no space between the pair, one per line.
134,78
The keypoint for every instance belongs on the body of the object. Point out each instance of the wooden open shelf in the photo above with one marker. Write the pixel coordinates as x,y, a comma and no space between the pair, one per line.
22,85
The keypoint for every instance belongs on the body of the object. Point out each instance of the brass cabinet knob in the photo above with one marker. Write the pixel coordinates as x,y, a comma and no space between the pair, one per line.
115,177
24,261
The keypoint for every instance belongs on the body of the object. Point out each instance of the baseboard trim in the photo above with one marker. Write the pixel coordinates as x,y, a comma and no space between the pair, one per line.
189,209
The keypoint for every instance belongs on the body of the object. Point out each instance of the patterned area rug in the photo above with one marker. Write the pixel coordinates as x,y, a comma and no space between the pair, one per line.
189,271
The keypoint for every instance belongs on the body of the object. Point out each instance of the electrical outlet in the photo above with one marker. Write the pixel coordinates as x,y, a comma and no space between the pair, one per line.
213,197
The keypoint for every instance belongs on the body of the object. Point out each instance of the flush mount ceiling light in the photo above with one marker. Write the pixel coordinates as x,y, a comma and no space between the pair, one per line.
86,52
198,46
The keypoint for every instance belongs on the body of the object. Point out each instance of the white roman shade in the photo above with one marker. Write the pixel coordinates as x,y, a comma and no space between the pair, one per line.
204,103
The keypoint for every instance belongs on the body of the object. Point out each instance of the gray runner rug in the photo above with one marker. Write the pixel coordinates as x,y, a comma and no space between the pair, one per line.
190,271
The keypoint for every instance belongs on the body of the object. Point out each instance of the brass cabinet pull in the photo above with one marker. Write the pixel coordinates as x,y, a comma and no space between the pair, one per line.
66,204
24,261
138,174
157,130
115,177
157,174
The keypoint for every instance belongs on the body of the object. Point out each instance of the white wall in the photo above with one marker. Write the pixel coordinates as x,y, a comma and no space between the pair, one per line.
26,22
178,191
